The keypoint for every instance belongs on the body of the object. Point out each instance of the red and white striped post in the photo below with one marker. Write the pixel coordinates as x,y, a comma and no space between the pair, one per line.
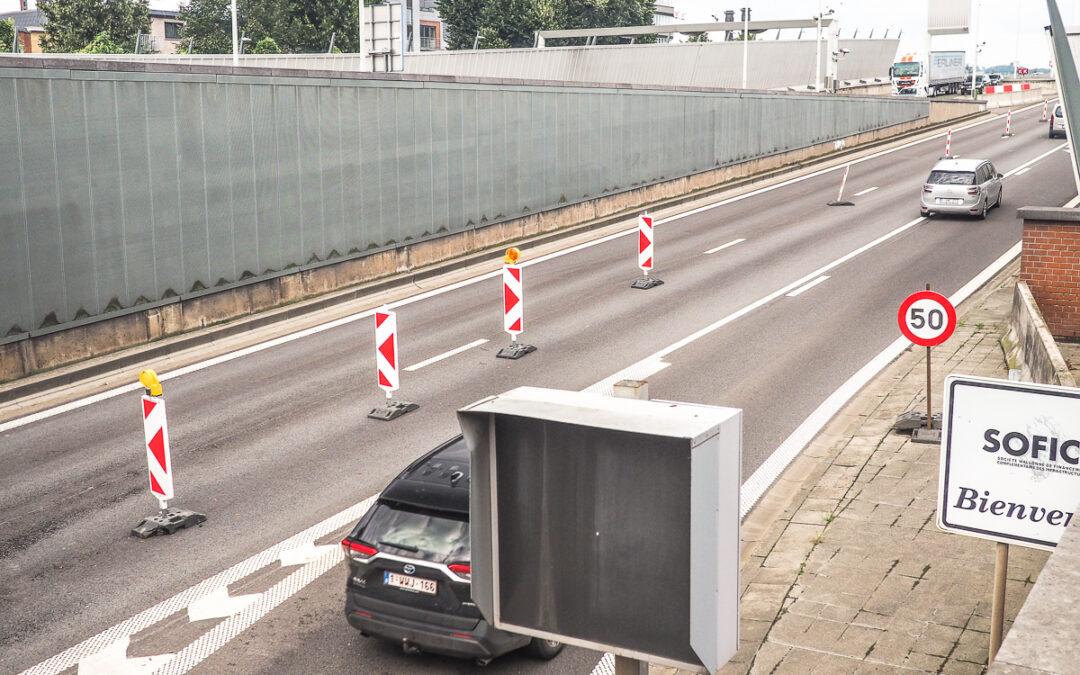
159,463
1046,105
387,366
1008,125
513,306
646,256
948,145
386,351
158,456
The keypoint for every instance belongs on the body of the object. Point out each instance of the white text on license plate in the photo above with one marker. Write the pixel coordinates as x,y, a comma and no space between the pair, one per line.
414,584
950,202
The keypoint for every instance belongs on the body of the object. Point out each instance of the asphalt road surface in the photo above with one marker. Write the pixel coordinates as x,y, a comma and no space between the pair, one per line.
271,443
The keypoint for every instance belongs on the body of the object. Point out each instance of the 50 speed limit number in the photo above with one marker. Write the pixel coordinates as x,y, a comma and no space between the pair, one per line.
927,318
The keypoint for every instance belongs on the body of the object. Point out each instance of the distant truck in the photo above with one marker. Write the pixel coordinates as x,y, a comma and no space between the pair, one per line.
945,75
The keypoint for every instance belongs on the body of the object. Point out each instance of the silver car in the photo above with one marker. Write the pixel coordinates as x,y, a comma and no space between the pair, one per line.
962,187
1057,122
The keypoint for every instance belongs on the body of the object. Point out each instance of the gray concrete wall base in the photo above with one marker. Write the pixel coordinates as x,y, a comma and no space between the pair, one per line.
24,357
1029,344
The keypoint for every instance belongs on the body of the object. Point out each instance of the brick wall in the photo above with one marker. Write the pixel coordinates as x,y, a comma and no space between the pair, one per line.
1050,264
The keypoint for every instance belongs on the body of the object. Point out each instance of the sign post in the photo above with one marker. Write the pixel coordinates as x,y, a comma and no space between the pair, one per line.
645,254
1010,469
927,319
159,463
513,307
386,366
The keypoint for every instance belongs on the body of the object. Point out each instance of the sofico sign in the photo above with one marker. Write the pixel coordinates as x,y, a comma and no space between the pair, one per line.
1010,460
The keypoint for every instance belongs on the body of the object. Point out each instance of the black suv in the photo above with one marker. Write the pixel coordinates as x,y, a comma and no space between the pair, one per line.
408,562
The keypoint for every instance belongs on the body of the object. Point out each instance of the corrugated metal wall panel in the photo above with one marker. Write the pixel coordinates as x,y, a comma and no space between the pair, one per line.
123,189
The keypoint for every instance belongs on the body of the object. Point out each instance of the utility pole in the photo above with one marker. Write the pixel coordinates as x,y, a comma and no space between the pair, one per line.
235,37
817,58
360,30
745,44
975,58
1016,56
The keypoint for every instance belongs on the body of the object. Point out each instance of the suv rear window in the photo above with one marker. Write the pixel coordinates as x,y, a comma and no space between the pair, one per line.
951,178
441,538
1058,112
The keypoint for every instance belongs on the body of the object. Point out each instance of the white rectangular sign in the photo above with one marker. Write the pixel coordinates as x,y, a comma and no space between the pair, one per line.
1010,460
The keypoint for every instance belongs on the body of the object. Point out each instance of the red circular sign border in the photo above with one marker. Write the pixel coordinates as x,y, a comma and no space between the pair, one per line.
950,314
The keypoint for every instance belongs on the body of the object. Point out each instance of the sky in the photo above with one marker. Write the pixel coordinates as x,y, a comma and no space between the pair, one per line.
1000,23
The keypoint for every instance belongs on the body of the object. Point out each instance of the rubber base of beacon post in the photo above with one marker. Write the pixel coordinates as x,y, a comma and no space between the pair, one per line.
948,157
167,522
842,202
515,351
1008,135
392,410
645,283
908,422
925,435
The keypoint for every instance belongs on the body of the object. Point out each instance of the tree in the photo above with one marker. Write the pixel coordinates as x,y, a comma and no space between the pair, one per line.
102,44
461,21
7,35
267,45
514,22
71,25
295,26
698,37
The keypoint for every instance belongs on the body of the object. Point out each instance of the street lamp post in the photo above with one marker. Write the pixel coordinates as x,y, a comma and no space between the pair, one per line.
975,58
235,37
745,45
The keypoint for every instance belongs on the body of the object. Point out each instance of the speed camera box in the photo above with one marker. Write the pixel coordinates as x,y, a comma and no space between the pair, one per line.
607,523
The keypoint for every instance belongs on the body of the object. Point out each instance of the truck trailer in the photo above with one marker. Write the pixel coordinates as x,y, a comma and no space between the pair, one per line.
940,74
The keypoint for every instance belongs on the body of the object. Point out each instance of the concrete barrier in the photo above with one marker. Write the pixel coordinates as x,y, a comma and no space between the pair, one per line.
1030,347
186,313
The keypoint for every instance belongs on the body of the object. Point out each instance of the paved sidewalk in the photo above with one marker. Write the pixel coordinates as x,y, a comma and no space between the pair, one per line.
844,569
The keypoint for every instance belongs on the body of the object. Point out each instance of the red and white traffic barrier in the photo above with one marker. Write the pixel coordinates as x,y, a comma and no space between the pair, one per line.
1008,125
513,306
158,459
386,351
646,255
1046,105
948,144
159,463
1006,88
387,366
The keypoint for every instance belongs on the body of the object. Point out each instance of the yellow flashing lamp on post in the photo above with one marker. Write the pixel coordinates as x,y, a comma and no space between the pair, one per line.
149,379
512,255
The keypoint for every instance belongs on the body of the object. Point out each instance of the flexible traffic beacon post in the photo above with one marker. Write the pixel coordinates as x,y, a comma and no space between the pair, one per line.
159,463
387,368
645,254
513,306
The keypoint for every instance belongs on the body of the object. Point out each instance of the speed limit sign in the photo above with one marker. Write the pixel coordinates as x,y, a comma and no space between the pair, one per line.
927,318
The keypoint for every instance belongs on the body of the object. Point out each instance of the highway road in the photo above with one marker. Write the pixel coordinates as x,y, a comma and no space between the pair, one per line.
271,443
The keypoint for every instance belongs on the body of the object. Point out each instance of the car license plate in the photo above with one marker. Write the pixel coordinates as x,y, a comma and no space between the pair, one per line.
414,584
949,202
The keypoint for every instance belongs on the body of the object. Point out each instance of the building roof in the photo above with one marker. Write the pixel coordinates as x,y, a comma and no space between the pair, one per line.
164,13
30,20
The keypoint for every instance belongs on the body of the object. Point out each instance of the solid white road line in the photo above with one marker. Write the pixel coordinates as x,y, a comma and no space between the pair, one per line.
1022,171
224,358
866,191
445,355
751,491
721,247
804,288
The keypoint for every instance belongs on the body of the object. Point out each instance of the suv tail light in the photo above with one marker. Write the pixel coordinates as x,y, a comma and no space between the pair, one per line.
462,570
357,550
973,190
927,187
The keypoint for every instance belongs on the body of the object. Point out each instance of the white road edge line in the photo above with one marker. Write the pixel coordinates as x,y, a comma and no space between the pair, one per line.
866,191
1022,171
805,287
446,355
751,491
721,247
224,358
